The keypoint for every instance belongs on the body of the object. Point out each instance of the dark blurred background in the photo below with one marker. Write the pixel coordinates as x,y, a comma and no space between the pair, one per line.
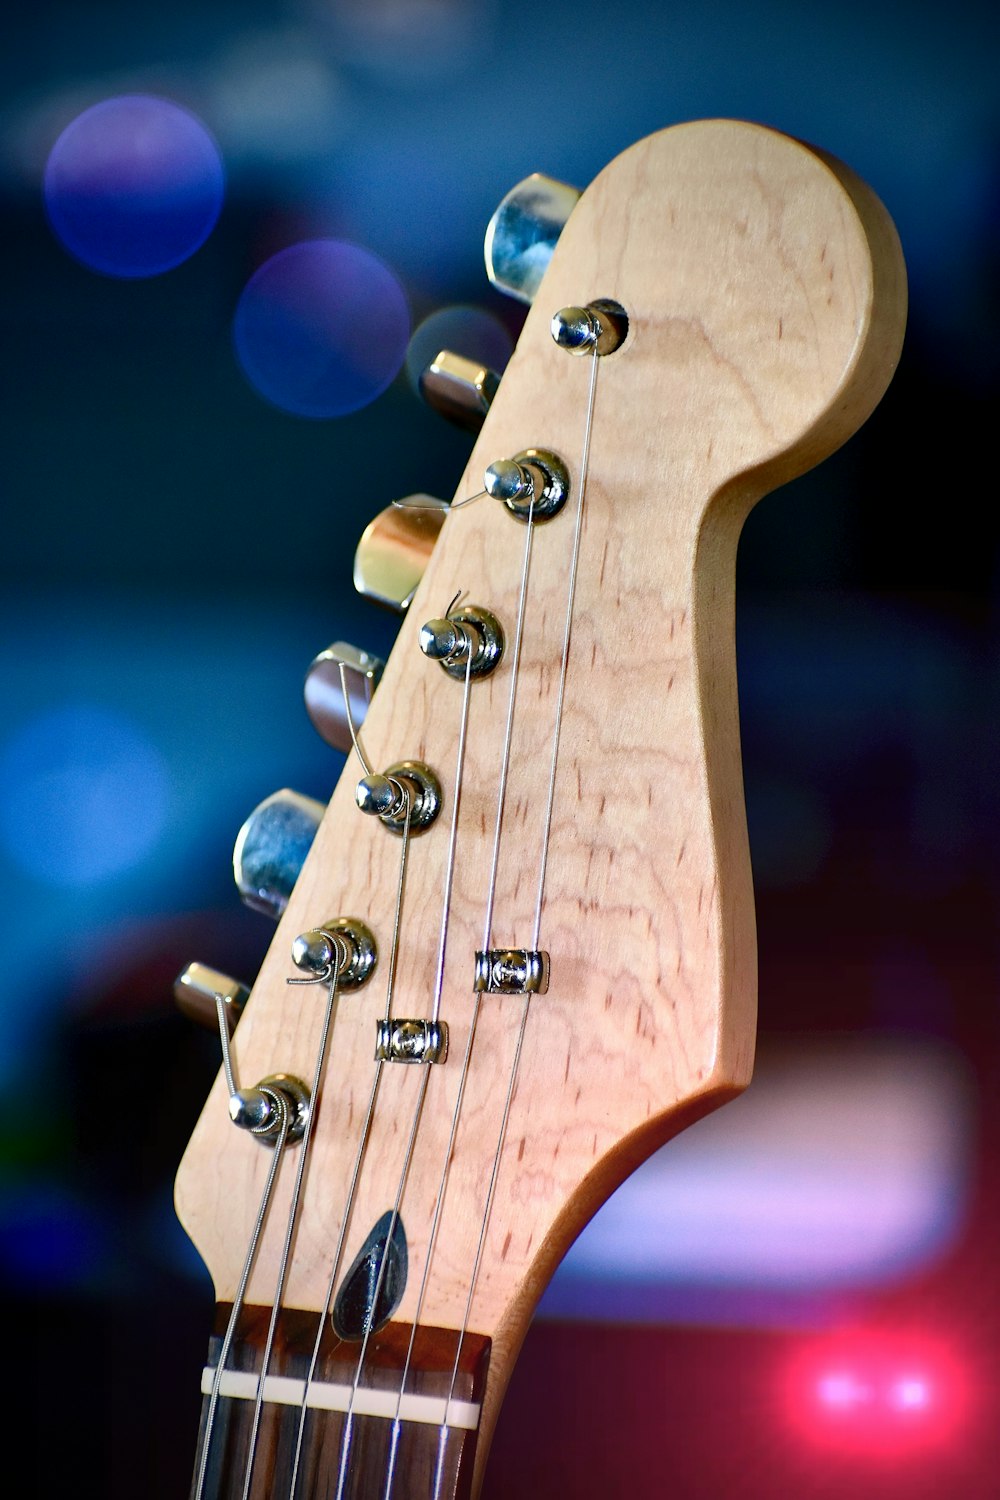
808,1304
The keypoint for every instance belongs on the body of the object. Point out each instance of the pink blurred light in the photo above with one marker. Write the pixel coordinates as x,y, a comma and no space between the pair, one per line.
877,1393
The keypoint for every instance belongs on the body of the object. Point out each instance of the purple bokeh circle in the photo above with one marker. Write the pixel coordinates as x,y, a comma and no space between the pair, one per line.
321,328
134,186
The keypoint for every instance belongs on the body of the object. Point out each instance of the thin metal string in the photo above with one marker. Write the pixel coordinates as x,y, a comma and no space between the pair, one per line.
567,631
345,1441
293,1218
509,730
515,1066
365,1134
431,1243
456,1115
331,1285
449,875
265,1203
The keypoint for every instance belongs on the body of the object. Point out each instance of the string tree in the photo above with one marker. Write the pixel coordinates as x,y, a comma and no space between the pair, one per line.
411,1041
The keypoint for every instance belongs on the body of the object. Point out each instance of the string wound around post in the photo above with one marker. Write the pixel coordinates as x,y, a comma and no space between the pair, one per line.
343,949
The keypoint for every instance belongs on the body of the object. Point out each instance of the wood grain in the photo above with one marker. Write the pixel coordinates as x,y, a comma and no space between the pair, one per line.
766,297
429,1373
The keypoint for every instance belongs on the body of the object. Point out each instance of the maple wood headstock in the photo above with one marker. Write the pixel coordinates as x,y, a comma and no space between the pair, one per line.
765,296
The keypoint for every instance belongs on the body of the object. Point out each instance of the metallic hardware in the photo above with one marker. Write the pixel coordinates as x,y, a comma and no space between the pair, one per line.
260,1110
296,1096
395,549
511,971
459,389
601,327
411,1041
271,848
324,695
536,475
345,944
385,796
469,629
196,990
522,234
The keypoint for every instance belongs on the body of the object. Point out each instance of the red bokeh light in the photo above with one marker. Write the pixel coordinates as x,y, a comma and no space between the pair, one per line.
877,1392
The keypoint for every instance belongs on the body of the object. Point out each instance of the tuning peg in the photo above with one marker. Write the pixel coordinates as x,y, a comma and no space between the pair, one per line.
459,389
395,549
196,990
522,234
271,849
324,691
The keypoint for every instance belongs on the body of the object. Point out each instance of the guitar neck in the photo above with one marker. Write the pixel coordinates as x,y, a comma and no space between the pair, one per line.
314,1422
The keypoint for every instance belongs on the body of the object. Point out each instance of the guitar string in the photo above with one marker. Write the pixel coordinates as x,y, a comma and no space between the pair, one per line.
237,1307
439,981
515,1066
366,1130
463,1077
293,1218
345,1440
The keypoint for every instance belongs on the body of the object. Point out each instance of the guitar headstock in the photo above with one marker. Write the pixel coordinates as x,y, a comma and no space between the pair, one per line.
764,295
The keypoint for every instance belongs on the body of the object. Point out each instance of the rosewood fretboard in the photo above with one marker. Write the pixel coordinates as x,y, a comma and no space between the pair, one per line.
420,1440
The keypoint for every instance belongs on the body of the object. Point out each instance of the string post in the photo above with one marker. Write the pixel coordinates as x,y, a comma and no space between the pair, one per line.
343,949
600,327
469,640
407,795
533,485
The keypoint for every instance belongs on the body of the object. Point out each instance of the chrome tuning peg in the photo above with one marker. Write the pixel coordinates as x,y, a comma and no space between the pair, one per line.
324,691
271,849
459,389
198,989
522,234
395,549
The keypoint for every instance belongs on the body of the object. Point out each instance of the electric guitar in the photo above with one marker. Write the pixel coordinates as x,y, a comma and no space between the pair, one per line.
520,953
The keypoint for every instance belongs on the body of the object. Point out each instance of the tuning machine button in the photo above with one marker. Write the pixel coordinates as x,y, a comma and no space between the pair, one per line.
522,234
395,549
271,849
459,389
324,692
197,990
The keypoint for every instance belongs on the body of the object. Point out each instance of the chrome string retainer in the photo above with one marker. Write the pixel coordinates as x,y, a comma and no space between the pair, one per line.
600,327
411,1041
461,632
511,971
534,483
407,782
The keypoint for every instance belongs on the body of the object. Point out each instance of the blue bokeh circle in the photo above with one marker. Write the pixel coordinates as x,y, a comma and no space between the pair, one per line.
134,186
321,328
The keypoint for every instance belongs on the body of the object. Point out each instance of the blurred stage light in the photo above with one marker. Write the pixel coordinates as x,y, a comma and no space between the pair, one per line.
464,330
83,796
321,328
878,1391
133,186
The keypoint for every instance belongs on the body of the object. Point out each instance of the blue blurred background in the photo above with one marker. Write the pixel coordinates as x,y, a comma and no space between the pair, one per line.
182,498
